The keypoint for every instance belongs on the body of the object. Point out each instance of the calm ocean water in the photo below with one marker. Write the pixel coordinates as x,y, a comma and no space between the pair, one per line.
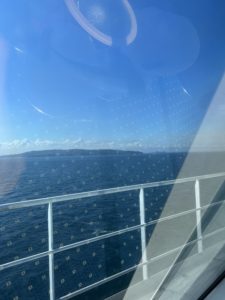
23,232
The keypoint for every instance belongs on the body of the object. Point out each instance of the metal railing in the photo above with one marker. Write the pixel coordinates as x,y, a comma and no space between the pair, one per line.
50,201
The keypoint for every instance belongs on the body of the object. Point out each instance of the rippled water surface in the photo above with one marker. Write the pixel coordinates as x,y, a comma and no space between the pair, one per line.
23,232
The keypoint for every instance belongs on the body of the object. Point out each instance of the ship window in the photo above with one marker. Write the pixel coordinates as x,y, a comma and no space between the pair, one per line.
112,148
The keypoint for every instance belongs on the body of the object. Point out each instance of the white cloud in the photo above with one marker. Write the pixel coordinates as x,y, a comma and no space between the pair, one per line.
18,50
82,121
186,92
39,110
23,145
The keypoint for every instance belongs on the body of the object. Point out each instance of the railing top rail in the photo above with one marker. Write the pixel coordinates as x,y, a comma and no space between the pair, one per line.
76,196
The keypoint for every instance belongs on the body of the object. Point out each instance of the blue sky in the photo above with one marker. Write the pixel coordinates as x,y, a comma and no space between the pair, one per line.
129,75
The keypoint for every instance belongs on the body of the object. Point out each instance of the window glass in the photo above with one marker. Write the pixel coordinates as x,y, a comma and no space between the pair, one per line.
112,161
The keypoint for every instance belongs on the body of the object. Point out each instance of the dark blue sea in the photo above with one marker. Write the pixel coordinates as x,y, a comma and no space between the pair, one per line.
23,232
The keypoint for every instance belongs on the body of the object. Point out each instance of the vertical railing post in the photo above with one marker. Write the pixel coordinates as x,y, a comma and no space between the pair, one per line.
143,233
51,255
198,216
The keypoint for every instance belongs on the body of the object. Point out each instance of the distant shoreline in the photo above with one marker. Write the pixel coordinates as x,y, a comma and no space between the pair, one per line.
103,152
73,152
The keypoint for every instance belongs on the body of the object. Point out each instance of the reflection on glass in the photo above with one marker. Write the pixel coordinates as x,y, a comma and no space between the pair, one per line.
111,148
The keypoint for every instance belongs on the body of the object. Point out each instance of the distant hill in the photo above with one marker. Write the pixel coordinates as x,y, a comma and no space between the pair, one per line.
77,152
